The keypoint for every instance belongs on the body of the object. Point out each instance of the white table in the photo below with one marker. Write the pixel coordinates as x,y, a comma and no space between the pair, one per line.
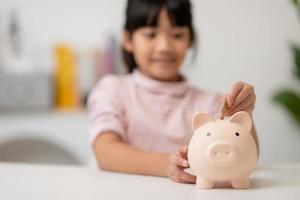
37,182
66,130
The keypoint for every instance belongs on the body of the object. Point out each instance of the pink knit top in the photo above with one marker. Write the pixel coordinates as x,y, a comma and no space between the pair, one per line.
148,114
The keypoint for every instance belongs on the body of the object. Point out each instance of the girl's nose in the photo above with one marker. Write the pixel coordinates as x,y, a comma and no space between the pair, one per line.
163,44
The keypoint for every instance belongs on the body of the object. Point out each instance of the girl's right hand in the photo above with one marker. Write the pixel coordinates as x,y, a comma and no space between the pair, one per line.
176,165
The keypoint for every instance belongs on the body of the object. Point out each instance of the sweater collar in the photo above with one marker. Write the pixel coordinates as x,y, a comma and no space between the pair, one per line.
169,88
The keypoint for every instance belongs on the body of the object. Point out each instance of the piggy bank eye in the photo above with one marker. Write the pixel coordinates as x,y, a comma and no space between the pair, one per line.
237,134
208,134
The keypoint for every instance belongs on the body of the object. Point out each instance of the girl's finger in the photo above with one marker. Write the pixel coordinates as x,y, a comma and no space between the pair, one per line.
179,161
224,98
183,152
249,108
184,149
245,104
176,179
244,94
186,176
237,87
174,176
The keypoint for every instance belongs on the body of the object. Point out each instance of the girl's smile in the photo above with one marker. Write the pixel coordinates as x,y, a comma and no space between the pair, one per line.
164,61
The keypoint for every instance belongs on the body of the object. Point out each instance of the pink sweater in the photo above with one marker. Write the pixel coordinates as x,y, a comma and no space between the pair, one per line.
148,114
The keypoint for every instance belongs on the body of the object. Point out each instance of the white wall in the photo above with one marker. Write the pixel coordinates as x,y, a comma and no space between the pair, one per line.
82,22
240,40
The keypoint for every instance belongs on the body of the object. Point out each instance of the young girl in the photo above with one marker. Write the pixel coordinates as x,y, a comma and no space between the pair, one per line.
142,122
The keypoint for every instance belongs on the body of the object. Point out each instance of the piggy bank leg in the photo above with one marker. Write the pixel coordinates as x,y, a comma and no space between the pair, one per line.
241,183
202,183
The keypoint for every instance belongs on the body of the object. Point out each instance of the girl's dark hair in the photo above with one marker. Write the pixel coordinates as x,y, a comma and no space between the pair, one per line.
141,13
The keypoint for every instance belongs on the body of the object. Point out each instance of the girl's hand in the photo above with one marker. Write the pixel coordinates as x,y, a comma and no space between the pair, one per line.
177,163
240,98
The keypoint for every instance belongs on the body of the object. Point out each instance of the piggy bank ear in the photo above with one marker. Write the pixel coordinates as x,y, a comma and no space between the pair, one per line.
242,118
200,119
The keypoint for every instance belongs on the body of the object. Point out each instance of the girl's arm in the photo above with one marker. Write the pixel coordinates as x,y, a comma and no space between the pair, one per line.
241,97
114,155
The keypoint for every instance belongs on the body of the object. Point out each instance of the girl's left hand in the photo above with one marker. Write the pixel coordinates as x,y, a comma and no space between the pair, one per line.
241,97
177,162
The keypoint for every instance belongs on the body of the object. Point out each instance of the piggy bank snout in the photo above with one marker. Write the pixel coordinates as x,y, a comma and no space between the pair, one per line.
221,153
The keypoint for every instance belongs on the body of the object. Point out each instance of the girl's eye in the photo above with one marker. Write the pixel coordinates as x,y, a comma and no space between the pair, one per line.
149,34
178,35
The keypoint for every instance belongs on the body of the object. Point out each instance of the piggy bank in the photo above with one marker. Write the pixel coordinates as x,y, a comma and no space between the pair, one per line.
222,150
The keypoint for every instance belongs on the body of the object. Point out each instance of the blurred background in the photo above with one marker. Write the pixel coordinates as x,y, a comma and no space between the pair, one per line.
53,52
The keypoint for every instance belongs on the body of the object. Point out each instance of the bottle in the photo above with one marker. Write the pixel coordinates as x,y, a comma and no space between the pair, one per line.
67,96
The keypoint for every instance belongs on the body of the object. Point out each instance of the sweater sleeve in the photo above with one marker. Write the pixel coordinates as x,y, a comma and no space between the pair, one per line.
105,108
216,106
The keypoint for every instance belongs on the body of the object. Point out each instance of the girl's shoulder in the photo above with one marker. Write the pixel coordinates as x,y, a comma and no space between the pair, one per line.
110,87
113,81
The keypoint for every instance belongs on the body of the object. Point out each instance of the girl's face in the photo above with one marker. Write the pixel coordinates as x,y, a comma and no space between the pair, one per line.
159,51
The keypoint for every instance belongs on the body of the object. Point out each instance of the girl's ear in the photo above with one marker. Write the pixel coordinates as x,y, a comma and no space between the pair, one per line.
200,119
127,42
242,118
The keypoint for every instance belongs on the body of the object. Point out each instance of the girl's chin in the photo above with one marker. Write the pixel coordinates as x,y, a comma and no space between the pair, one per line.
166,75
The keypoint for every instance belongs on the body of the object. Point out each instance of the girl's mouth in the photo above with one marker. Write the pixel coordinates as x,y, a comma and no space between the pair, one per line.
164,60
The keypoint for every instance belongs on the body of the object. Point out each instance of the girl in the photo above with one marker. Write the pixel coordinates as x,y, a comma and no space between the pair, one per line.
141,122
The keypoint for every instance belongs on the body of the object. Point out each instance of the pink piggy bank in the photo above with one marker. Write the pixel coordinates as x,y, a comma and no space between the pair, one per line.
222,150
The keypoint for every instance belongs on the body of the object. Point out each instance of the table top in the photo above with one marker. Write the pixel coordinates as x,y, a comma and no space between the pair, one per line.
35,182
